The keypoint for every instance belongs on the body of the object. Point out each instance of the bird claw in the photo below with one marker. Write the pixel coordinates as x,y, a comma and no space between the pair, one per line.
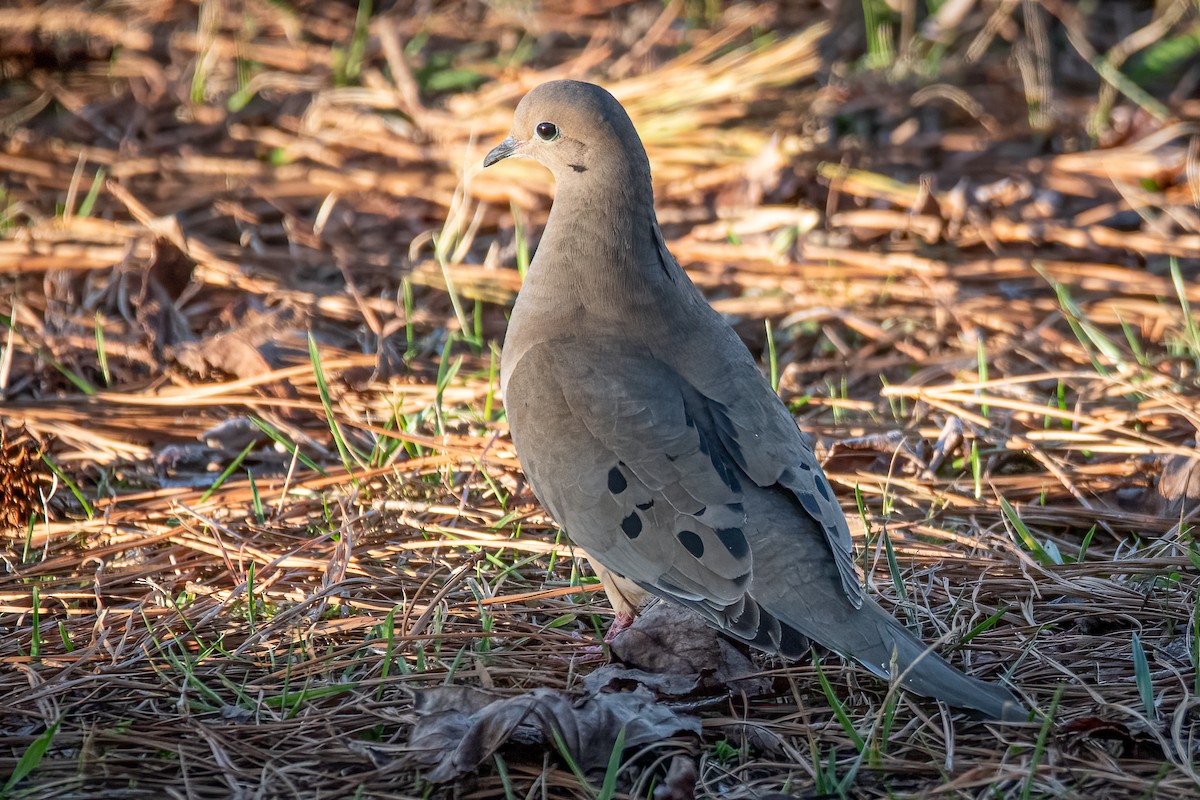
588,654
621,622
592,653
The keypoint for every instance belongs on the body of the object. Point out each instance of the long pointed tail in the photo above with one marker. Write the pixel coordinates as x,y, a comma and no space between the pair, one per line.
925,672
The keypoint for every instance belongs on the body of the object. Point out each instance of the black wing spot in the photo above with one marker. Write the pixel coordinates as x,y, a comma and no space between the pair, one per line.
691,542
734,541
616,481
823,486
646,506
632,525
579,167
810,505
805,465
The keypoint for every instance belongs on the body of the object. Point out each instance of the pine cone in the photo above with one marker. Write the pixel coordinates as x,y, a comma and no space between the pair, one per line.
20,472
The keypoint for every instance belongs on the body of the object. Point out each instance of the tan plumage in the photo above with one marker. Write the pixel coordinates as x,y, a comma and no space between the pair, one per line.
647,429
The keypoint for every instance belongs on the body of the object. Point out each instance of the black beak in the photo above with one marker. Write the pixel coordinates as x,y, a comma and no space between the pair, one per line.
501,151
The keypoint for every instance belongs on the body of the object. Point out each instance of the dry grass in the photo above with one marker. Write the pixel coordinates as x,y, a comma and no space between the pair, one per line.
251,285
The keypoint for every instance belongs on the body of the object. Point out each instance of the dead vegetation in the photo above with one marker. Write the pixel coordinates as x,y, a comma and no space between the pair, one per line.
263,519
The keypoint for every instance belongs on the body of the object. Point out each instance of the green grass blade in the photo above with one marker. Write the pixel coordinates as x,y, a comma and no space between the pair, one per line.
101,351
30,758
1141,673
986,625
1191,327
608,789
293,449
344,449
772,356
523,257
898,579
89,201
572,765
259,515
505,779
839,710
224,476
1039,749
1031,543
70,484
35,613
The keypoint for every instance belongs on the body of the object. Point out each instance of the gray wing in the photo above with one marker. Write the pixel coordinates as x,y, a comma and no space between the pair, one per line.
651,476
760,436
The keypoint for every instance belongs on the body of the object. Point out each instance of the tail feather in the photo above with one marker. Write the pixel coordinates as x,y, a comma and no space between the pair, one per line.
925,672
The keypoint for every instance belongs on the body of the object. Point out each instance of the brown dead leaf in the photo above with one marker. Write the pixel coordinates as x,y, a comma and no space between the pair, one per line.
1174,495
1112,736
880,453
1178,487
680,783
255,348
153,296
673,652
233,354
459,727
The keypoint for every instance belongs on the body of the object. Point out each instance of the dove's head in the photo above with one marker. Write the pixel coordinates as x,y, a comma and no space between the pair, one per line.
577,130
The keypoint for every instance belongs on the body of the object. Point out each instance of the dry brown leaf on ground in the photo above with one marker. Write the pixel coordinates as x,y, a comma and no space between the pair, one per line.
459,727
262,342
1174,495
1179,486
680,783
885,453
154,298
671,651
1112,736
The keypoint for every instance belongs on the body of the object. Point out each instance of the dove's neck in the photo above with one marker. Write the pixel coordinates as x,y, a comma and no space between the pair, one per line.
600,250
601,273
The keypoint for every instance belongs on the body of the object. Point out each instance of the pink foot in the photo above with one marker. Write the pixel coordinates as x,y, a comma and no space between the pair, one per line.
590,654
620,622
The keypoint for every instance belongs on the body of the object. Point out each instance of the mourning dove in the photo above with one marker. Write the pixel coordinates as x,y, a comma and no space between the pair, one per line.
646,428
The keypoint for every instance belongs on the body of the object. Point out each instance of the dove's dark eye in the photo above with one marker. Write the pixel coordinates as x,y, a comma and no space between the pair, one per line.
546,131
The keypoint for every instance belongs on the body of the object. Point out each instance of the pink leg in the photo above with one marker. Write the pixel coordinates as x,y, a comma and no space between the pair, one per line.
620,622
